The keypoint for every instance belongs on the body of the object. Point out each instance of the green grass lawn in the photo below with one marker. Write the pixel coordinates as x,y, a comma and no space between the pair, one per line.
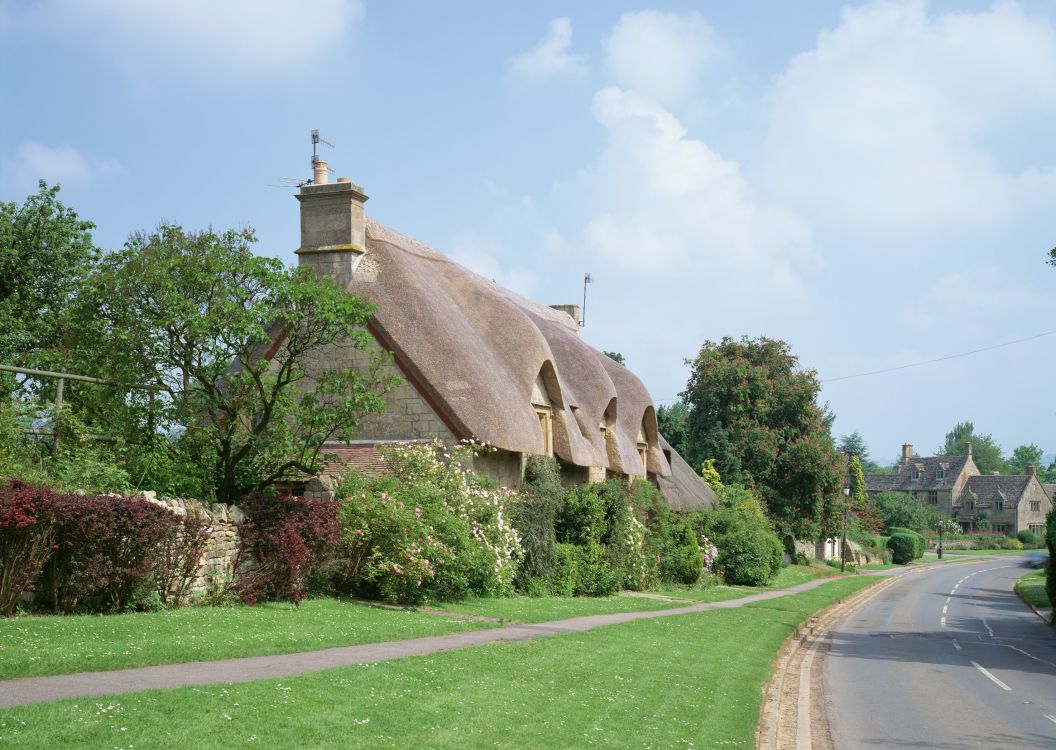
60,645
528,609
686,681
1031,588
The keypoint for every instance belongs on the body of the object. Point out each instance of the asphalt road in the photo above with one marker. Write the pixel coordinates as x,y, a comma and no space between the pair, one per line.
948,657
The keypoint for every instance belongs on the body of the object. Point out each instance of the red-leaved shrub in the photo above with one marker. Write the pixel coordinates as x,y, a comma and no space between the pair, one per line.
27,531
284,540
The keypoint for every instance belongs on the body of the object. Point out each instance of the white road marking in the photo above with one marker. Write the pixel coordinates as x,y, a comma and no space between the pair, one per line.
996,681
956,645
945,608
1051,718
988,628
942,621
1031,656
954,589
947,601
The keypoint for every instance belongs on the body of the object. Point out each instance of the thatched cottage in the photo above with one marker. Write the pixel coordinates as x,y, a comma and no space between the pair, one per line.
477,361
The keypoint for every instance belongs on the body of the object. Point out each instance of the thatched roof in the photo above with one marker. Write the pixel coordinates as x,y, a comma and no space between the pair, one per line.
477,349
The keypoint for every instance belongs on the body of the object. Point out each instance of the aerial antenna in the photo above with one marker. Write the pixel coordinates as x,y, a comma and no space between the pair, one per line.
316,140
587,279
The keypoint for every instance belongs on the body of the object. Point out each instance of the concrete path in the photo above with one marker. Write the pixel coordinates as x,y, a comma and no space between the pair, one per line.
26,690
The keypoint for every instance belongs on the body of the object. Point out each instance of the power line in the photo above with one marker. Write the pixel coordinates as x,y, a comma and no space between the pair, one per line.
940,359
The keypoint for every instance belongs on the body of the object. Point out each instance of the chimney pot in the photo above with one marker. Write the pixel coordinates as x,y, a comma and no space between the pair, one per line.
320,172
343,179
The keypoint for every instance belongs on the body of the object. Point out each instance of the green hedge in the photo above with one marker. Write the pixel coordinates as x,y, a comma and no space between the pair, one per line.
1050,542
750,556
918,541
903,547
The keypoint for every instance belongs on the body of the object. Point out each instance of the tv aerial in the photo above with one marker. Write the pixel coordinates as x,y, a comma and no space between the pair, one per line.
317,164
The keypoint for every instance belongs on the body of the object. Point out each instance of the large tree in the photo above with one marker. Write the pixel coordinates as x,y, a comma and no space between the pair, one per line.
754,411
234,345
671,421
45,252
985,451
1028,455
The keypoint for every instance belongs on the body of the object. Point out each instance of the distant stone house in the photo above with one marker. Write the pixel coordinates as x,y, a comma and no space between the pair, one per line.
954,487
476,361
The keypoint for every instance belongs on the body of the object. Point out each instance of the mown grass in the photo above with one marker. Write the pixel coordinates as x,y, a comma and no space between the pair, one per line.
82,643
525,609
685,681
1031,589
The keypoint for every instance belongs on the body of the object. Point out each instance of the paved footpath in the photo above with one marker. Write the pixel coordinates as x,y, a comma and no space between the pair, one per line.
26,690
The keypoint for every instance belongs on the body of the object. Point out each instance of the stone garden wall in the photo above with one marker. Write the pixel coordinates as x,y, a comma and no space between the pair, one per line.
221,551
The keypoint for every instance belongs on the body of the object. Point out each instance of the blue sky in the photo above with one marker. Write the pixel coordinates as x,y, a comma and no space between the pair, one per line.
872,182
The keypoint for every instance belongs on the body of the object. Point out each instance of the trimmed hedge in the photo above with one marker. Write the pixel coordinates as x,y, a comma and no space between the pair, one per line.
749,556
919,545
903,547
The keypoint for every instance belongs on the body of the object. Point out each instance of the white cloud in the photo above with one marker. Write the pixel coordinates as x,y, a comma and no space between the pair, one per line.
662,55
885,122
204,38
659,202
551,56
33,161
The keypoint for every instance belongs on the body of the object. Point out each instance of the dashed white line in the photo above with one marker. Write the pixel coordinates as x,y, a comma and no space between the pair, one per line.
942,621
988,628
996,681
1051,718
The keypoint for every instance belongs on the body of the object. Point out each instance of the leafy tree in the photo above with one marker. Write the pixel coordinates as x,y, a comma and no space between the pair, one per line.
985,451
863,508
671,421
228,339
45,251
711,477
616,357
853,445
1024,456
901,510
755,412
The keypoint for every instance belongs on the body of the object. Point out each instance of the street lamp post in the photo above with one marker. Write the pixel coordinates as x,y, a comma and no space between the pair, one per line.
843,540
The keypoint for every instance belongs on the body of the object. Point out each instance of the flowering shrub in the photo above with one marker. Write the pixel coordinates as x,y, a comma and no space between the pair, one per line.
284,541
429,529
710,553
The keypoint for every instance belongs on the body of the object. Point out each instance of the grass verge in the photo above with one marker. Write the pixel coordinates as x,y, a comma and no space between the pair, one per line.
683,681
1031,589
82,643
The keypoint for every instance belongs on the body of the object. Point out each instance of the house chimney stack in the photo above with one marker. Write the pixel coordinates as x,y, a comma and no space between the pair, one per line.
969,445
907,452
333,226
573,312
1031,470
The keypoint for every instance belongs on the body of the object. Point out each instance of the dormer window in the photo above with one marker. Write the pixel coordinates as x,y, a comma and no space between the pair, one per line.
940,473
915,476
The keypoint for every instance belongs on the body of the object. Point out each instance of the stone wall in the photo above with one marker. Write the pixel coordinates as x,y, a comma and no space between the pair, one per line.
221,551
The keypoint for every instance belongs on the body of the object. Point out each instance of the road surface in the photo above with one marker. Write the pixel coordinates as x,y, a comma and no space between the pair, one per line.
948,657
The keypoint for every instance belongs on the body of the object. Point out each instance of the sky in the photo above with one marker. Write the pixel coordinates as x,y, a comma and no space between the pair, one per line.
873,183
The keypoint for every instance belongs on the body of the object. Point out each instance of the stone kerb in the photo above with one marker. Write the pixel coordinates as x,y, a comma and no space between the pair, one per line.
218,561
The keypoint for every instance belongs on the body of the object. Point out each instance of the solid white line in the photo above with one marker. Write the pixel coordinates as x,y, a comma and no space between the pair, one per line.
1051,718
996,681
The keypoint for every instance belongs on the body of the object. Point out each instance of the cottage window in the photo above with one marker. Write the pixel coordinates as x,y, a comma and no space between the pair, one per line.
915,476
546,426
1000,528
933,497
1035,506
940,473
1038,528
970,505
999,505
913,494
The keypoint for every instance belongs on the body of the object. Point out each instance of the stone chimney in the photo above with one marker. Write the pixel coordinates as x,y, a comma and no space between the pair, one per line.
907,452
1032,471
969,447
572,311
333,226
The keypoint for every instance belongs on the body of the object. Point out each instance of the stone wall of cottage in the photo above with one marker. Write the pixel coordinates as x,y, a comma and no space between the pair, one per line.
407,415
217,566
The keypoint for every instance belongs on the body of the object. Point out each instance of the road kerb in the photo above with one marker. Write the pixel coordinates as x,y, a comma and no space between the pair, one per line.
792,716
